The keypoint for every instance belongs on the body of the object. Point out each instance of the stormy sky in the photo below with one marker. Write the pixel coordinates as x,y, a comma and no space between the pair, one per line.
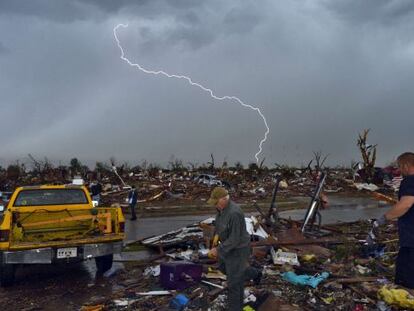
320,71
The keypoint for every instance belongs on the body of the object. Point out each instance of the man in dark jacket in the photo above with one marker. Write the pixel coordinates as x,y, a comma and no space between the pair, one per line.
96,190
234,251
403,210
132,200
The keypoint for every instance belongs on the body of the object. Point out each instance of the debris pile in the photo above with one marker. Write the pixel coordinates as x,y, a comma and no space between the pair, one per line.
180,185
318,270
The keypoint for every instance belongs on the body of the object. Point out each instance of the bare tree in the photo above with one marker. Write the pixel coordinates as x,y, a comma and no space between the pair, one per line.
239,166
225,163
369,155
211,163
37,165
261,167
112,160
319,160
13,172
176,165
192,166
43,169
144,165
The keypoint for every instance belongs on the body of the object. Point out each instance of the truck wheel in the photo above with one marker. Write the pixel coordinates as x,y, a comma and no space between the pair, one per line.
104,263
7,273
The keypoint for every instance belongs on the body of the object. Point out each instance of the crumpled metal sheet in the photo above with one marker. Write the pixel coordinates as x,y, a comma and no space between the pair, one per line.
195,232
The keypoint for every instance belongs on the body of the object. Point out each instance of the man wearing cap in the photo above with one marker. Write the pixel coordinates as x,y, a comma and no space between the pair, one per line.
234,251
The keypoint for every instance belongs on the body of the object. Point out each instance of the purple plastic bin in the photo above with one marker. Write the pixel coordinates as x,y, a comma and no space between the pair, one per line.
180,274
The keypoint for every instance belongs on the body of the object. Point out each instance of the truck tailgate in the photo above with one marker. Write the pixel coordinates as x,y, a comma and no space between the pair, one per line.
41,227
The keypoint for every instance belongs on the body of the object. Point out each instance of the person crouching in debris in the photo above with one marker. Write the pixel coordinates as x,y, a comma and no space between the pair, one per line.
403,210
234,250
132,200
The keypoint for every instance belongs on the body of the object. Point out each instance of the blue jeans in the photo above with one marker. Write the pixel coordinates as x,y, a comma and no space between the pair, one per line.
132,207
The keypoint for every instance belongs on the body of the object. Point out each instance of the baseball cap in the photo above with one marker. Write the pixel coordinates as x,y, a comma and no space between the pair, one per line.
216,195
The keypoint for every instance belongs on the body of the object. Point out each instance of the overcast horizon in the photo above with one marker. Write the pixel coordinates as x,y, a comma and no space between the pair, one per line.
320,71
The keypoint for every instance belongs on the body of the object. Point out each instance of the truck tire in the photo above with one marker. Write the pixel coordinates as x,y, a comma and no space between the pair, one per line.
7,273
104,263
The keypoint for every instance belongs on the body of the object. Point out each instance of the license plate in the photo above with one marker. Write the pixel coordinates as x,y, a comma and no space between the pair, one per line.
68,252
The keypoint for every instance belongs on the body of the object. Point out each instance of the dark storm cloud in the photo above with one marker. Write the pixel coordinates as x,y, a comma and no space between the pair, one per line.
193,23
71,11
57,11
320,71
242,19
190,38
195,26
377,11
114,6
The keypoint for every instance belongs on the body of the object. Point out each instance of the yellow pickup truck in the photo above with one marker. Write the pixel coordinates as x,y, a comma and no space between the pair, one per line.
50,224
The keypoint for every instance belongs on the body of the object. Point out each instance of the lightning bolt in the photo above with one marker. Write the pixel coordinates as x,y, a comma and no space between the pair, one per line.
191,82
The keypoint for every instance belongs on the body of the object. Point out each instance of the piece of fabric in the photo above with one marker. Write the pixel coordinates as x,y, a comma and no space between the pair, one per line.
305,279
396,297
404,267
406,222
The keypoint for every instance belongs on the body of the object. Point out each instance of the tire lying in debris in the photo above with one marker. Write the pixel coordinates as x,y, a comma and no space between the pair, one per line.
104,263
